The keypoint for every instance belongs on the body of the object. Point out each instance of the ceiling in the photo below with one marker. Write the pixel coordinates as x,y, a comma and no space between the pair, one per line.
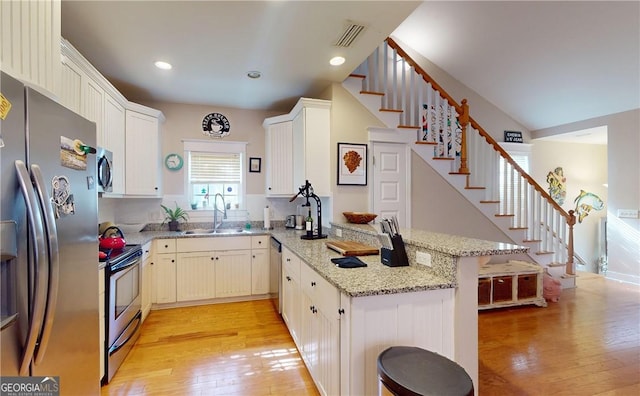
543,63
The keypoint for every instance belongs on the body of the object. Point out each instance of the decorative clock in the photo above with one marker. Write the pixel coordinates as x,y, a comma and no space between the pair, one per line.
173,162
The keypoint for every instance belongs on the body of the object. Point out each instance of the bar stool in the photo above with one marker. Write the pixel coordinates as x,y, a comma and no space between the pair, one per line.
412,371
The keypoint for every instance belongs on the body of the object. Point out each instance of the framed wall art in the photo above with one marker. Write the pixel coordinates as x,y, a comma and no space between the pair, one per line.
352,164
255,164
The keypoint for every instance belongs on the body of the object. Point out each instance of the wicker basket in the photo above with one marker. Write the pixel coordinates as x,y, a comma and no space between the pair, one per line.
359,217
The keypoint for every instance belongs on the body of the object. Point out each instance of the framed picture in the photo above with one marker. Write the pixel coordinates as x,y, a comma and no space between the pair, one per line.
352,164
255,164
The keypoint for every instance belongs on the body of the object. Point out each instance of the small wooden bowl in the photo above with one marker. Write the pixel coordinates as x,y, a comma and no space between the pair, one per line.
359,217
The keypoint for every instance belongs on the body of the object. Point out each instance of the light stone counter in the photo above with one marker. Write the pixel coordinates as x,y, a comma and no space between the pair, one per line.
376,278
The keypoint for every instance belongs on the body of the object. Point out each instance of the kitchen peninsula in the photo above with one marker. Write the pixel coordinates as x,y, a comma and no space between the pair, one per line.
341,319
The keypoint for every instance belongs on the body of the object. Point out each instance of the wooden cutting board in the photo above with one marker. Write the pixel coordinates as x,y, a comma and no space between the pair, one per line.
351,248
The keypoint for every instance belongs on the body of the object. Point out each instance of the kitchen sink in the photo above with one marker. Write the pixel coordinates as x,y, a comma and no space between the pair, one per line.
199,231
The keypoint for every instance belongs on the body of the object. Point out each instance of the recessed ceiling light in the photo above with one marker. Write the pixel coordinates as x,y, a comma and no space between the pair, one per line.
254,74
336,61
163,65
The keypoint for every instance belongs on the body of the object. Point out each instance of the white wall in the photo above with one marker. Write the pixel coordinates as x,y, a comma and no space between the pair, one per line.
623,163
585,168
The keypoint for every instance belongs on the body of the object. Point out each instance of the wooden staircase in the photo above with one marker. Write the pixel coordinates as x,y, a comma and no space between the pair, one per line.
404,97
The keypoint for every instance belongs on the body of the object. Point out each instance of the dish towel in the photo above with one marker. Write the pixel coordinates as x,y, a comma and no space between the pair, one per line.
348,262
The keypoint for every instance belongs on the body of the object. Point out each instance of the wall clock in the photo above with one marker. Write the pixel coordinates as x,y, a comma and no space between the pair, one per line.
173,162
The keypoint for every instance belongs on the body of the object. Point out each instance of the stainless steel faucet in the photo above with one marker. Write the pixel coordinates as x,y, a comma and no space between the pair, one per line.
216,210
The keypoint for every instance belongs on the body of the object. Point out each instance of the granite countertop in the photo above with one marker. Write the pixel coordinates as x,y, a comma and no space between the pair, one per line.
147,236
445,243
375,279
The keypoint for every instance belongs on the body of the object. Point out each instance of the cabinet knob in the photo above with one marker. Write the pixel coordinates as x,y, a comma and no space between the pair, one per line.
173,261
259,242
340,311
269,188
216,258
166,246
151,263
313,283
288,259
212,258
254,256
288,279
155,188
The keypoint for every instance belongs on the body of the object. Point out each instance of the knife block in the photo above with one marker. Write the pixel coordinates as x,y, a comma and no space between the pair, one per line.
396,257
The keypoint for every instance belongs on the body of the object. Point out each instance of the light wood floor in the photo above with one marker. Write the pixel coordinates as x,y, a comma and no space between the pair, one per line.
586,344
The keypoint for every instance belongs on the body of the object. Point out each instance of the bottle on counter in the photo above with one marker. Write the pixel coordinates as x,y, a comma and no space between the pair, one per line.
309,224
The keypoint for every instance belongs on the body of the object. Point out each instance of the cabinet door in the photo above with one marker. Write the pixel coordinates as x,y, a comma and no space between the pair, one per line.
326,340
260,278
142,157
71,86
291,303
93,105
164,278
279,159
195,276
311,145
147,284
233,273
113,139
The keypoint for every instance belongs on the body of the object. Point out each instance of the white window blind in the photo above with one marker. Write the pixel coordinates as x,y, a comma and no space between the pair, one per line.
215,167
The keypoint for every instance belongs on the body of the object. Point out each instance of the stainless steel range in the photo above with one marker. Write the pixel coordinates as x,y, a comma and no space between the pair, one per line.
123,305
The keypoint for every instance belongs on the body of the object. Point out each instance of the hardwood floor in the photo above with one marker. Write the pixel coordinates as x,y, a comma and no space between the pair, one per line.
222,349
586,344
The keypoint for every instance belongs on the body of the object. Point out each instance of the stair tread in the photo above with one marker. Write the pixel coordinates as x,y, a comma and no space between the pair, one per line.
473,187
504,215
556,265
518,228
372,93
357,75
431,143
392,110
490,202
543,252
461,173
444,158
531,240
409,126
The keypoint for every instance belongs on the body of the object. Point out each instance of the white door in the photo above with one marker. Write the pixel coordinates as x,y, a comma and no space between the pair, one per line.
390,185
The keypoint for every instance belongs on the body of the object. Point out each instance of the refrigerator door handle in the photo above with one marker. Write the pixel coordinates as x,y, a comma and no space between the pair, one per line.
40,266
54,260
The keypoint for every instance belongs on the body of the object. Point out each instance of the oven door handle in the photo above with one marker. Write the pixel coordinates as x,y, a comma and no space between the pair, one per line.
127,334
131,261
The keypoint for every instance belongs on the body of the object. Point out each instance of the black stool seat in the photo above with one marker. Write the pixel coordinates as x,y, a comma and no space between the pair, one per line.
413,371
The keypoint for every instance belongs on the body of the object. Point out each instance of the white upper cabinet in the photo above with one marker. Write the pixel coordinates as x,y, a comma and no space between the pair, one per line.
142,154
279,159
297,149
30,42
113,139
311,137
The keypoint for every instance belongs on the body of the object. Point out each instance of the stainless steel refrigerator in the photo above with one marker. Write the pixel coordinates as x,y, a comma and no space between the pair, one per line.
48,241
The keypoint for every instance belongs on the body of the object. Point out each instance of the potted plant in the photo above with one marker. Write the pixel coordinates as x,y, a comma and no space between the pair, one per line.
172,216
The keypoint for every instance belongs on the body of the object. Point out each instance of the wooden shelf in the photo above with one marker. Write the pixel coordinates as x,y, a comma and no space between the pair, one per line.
510,284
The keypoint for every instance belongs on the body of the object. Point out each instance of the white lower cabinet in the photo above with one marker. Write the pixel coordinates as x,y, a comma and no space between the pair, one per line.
311,310
233,273
260,271
147,279
164,278
195,276
197,269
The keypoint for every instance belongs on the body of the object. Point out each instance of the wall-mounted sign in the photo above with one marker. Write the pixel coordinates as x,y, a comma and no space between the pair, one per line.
215,125
513,137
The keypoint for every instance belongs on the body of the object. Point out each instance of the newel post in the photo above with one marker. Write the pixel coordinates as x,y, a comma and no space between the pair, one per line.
570,268
464,121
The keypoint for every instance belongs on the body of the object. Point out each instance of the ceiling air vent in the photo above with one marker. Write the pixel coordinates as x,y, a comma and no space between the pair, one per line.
350,34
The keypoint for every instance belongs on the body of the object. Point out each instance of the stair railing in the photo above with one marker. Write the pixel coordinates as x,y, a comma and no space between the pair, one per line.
423,105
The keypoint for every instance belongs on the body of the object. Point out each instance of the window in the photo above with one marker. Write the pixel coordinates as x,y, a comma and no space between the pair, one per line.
215,168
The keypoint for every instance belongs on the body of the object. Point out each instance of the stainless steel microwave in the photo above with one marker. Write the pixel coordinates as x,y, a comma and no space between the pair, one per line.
105,170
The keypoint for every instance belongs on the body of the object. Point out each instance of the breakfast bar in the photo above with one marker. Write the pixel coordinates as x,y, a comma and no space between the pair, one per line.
359,312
